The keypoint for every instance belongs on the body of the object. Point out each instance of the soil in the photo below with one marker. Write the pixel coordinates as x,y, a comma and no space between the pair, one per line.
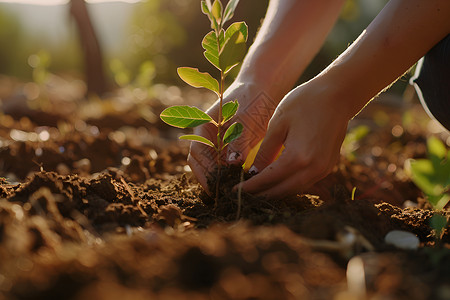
103,206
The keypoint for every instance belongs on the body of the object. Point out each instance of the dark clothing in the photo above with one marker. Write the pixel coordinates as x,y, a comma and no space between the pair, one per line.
432,82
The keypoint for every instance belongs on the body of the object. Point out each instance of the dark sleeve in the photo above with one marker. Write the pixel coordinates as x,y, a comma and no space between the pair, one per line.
432,82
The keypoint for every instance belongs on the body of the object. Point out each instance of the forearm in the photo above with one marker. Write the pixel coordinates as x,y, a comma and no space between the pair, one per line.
292,33
402,33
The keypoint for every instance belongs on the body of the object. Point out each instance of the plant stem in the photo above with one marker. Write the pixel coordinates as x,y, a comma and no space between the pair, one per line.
219,138
219,125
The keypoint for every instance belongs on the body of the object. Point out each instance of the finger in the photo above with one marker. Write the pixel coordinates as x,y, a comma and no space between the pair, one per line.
302,179
293,185
271,175
200,172
270,147
201,160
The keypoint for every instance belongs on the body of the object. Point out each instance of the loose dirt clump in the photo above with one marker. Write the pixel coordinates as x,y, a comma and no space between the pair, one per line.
97,209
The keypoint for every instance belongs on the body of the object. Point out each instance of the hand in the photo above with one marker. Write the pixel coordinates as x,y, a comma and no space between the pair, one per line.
311,124
255,109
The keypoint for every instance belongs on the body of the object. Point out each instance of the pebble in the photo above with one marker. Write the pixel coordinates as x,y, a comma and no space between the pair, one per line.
62,169
402,239
83,165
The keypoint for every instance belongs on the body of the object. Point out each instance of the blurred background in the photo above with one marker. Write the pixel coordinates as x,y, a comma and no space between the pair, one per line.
138,42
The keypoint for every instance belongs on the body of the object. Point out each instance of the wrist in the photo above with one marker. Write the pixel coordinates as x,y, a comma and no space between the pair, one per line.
339,95
258,85
350,91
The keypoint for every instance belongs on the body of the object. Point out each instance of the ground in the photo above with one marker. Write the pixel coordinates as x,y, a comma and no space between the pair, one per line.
97,203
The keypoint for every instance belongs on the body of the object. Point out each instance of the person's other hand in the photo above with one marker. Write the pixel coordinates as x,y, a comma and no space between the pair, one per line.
311,123
255,110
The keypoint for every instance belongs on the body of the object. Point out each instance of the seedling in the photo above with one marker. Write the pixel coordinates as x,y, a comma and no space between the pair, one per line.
432,176
352,141
224,49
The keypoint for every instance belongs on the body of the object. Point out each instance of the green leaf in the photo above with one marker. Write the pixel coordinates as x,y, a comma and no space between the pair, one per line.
229,10
232,133
229,109
211,47
205,8
436,147
237,27
423,175
432,175
216,11
438,222
214,24
195,78
197,138
184,116
234,47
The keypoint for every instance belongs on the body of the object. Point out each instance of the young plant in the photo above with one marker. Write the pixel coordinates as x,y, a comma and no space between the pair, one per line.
224,49
432,175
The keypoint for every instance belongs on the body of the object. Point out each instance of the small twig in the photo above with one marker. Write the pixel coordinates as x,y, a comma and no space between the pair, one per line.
40,165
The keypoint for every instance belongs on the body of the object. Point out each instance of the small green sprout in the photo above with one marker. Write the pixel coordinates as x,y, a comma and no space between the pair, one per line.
432,175
224,49
352,139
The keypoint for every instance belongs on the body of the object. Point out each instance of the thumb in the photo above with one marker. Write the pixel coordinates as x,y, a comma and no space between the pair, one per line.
269,149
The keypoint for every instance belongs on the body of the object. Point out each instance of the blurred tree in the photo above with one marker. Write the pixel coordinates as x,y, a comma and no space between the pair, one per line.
95,77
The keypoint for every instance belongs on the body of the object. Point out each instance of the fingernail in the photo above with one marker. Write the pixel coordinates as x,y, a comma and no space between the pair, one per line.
253,170
233,156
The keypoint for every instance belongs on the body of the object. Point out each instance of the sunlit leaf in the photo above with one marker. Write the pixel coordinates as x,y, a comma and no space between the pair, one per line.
440,158
423,176
229,10
352,138
208,4
232,133
197,138
235,27
234,47
229,109
195,78
432,175
436,147
184,116
214,24
205,9
211,47
217,10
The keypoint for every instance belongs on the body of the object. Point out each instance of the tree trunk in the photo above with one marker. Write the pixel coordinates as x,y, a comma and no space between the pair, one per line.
95,77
